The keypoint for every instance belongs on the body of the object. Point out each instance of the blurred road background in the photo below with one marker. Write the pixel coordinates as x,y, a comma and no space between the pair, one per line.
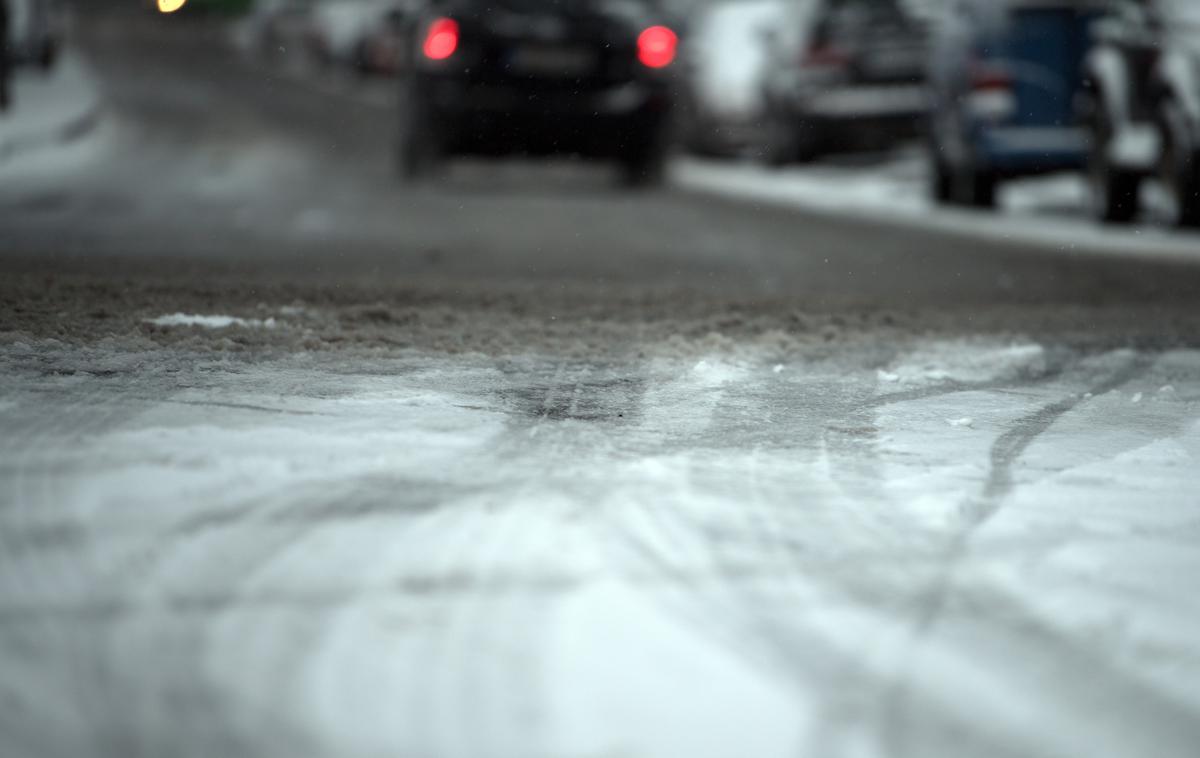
300,459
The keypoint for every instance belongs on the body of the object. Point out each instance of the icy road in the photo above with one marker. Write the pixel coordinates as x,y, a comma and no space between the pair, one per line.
298,463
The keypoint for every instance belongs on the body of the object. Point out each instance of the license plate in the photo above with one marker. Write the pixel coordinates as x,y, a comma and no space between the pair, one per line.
552,61
899,61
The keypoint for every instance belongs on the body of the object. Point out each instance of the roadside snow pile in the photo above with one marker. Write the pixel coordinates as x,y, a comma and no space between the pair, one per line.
211,322
966,362
1052,210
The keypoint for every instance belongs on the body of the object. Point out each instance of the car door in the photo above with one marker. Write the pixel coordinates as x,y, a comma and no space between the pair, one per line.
1042,48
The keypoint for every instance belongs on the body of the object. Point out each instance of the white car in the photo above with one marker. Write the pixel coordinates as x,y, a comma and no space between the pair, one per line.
725,62
336,28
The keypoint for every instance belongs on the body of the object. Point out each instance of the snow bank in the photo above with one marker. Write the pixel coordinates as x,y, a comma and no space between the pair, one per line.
1047,212
211,321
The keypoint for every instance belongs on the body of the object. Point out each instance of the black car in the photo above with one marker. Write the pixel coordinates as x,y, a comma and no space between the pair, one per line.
1143,107
842,73
538,77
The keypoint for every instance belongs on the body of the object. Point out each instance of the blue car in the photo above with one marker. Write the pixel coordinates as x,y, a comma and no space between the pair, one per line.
1006,82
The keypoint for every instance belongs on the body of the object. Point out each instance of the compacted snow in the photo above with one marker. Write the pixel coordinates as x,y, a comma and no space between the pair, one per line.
977,547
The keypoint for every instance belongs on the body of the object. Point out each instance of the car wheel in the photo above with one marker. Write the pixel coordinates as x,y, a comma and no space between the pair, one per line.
941,180
780,142
1179,167
1114,191
808,143
646,165
418,150
973,187
4,74
48,55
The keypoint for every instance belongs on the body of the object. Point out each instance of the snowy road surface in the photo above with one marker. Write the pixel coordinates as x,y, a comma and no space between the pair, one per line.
977,548
298,462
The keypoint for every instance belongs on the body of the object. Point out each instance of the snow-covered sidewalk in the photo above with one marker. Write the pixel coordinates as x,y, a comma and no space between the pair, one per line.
49,109
1044,213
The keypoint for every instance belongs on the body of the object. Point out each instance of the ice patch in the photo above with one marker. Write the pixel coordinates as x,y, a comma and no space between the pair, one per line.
961,423
211,322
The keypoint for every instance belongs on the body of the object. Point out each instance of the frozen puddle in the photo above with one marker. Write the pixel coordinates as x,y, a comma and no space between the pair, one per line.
462,557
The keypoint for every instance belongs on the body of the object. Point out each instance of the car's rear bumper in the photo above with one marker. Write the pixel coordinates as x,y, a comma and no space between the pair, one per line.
871,102
1031,149
498,119
453,97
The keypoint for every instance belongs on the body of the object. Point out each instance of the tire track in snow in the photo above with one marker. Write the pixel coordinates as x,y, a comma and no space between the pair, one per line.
38,570
1005,454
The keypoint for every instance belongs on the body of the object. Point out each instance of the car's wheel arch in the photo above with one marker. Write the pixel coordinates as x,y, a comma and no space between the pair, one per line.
1177,80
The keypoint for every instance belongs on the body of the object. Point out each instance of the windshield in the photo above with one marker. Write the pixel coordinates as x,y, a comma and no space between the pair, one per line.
599,379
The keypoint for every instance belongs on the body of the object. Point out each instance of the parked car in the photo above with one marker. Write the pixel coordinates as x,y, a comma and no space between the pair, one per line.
383,43
35,32
1143,108
336,27
280,26
1007,77
592,78
843,73
725,60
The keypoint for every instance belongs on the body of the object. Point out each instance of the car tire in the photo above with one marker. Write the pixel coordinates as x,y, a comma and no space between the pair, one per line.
1179,166
1114,191
646,164
808,143
419,151
5,95
48,55
941,180
779,147
973,187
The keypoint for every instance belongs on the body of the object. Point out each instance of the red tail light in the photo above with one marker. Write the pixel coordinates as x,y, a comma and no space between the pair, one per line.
657,47
990,77
441,40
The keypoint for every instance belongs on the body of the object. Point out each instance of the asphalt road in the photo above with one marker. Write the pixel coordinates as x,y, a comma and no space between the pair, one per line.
521,464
